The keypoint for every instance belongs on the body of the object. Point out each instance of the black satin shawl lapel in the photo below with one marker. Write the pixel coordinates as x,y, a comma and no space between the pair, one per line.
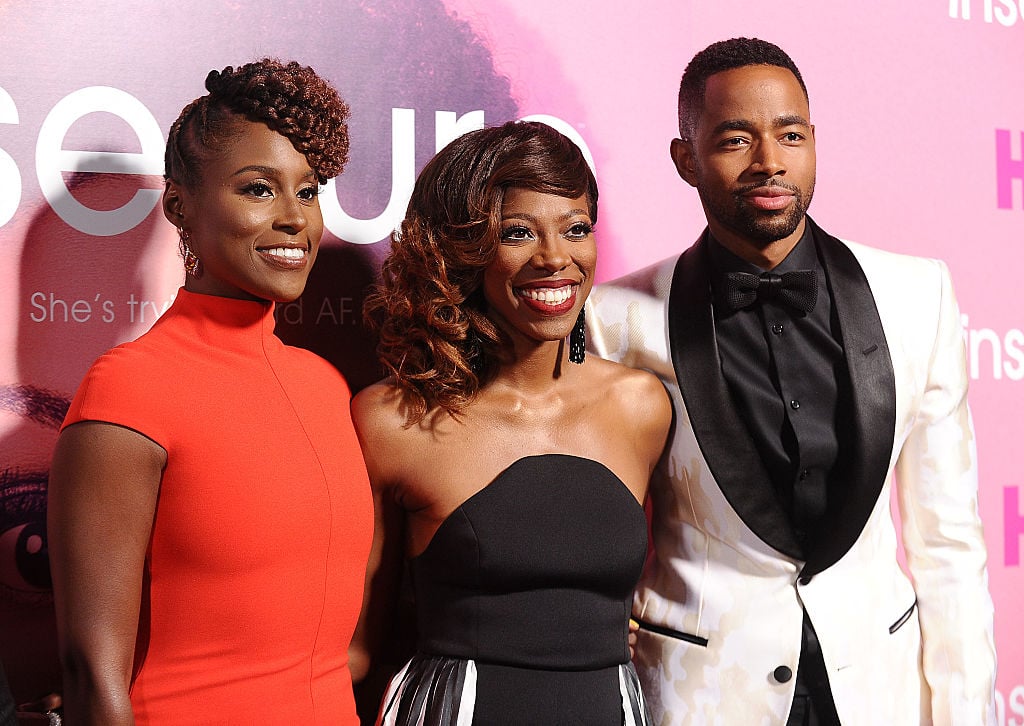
721,434
869,434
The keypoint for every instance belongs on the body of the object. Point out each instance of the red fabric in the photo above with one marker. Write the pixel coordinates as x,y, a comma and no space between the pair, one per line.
263,522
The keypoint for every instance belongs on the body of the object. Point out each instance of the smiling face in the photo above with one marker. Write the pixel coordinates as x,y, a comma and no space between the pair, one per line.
253,220
752,159
544,266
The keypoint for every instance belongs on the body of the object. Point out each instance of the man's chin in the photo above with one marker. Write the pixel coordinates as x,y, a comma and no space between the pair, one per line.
768,231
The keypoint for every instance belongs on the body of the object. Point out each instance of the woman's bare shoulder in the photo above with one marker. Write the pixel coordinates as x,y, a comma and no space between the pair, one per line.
625,380
634,395
393,446
381,405
388,444
379,415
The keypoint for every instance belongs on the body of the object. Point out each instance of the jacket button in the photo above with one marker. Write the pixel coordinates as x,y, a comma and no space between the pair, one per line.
782,674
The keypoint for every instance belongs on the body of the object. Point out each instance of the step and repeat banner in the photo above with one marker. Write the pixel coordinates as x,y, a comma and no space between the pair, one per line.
919,118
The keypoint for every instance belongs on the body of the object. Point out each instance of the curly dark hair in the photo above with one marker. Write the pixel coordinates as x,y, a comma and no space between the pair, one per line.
435,339
724,56
289,98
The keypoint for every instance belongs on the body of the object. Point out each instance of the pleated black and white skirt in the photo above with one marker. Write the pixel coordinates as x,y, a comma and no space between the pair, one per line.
442,691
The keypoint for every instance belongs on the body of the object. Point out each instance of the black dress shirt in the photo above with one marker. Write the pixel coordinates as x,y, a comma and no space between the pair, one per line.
783,368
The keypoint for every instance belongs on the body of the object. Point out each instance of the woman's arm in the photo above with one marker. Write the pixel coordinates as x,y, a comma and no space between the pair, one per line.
381,640
640,398
658,420
104,481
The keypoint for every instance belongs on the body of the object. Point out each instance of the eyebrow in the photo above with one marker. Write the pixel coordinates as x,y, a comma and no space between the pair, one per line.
268,171
527,216
37,404
777,123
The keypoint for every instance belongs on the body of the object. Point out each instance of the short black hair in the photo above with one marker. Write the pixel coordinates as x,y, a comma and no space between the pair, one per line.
724,56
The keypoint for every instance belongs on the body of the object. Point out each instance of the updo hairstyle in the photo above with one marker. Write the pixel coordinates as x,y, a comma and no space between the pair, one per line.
289,98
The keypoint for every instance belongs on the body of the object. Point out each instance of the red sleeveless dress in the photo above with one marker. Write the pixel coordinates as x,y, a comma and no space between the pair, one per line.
254,574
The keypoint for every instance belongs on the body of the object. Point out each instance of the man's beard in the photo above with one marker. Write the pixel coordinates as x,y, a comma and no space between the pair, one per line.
759,226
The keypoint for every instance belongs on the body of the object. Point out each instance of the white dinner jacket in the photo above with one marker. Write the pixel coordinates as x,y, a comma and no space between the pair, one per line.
727,577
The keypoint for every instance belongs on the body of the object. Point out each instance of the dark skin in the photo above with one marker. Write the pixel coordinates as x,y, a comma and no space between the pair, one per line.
104,482
752,160
257,198
537,403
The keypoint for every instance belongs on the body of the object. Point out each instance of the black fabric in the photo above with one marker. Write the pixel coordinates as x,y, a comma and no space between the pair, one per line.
797,288
867,406
534,574
785,371
6,701
812,704
737,466
509,696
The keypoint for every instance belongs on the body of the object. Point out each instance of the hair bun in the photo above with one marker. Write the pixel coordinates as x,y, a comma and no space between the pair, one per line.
288,98
215,79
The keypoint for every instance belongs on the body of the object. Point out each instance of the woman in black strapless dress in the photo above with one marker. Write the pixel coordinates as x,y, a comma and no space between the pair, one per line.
508,467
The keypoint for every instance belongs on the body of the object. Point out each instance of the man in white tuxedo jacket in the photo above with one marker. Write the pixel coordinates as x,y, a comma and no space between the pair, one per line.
802,396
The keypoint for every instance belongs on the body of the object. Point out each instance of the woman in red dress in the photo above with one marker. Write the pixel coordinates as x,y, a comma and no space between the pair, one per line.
209,511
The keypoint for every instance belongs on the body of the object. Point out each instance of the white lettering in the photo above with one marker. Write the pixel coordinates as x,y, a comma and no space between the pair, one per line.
448,127
56,310
977,338
1013,345
403,176
1007,15
326,311
52,159
137,309
1006,352
37,300
337,314
1007,12
1016,706
291,312
53,162
569,130
10,177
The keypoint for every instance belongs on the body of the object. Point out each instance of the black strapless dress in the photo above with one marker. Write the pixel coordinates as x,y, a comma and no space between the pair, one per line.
522,602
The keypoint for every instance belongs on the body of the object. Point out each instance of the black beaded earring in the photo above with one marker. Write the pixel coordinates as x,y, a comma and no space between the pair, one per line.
578,340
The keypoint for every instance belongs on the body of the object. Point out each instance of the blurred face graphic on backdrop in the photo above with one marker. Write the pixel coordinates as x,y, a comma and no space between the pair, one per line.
441,66
752,158
24,574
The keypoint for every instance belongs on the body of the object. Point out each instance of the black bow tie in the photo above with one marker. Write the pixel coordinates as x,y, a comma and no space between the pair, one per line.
798,289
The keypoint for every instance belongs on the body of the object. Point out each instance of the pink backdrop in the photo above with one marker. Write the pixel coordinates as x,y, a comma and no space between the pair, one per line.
920,128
